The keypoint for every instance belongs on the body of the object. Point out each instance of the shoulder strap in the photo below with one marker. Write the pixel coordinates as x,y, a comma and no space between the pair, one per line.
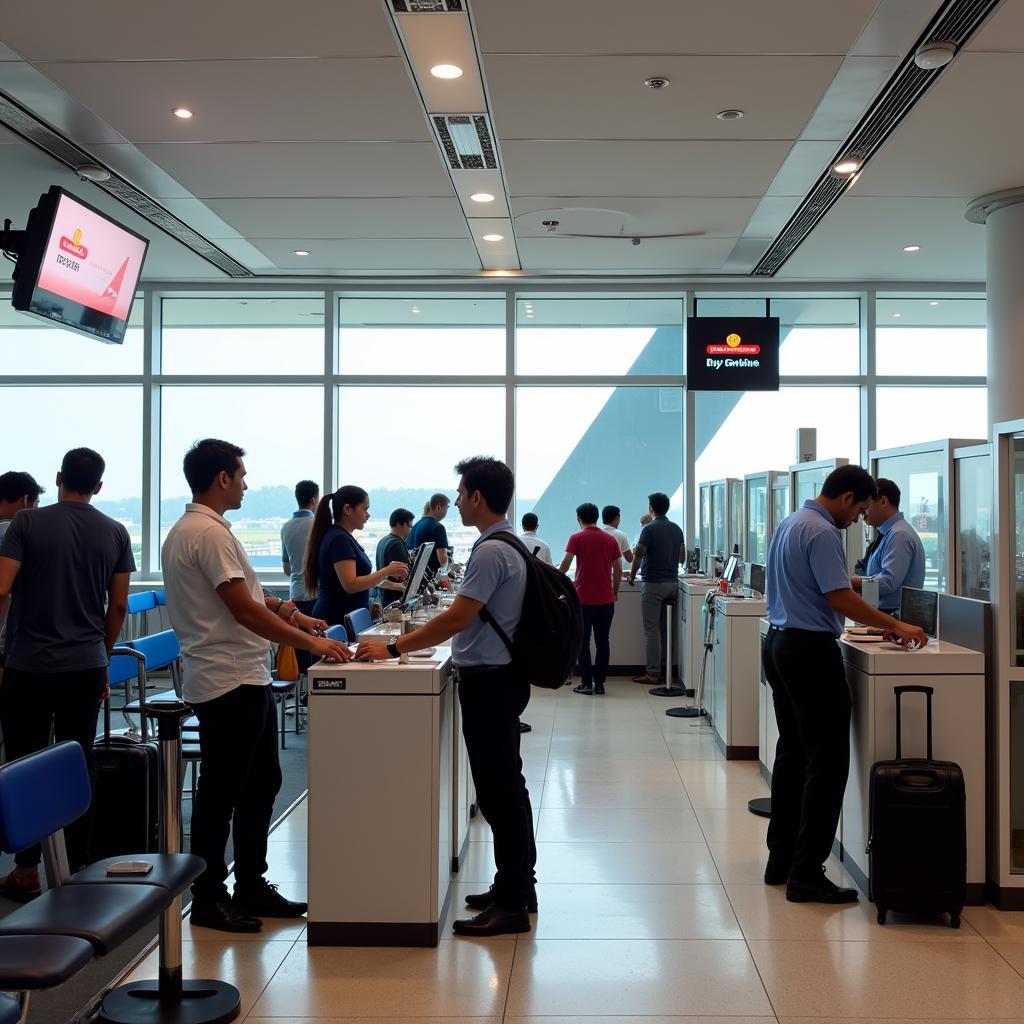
507,537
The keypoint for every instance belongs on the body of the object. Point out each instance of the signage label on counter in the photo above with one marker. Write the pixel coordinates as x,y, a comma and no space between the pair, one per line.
732,353
325,684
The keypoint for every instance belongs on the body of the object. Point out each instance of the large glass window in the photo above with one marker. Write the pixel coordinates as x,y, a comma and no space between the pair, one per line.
31,346
599,337
608,445
42,423
934,337
742,433
916,414
817,336
243,337
281,430
401,445
974,519
422,336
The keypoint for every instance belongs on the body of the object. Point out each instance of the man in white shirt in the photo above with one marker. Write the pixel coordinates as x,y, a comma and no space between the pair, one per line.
611,516
224,623
533,543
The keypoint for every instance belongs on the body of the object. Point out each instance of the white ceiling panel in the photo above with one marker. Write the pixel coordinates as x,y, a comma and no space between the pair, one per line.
1003,31
305,169
250,100
559,97
343,218
389,256
669,26
612,168
864,238
663,255
713,218
432,39
197,29
962,139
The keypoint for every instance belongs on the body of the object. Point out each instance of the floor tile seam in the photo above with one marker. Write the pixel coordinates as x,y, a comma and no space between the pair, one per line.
273,974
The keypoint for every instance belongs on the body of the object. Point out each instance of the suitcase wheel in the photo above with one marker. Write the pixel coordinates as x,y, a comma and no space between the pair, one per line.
954,920
881,915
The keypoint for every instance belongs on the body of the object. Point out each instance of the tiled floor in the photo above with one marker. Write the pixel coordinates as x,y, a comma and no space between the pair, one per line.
652,906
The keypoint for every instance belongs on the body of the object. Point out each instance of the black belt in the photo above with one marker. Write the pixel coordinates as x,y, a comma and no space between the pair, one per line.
802,632
469,671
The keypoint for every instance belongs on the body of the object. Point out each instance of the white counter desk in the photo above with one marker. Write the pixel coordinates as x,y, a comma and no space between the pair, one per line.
733,677
381,801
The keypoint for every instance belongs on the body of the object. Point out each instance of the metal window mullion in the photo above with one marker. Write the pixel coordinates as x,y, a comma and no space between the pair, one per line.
690,521
510,379
151,354
868,365
332,341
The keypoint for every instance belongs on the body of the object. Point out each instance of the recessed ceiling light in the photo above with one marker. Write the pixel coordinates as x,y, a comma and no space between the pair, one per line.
183,112
657,82
934,302
301,252
934,55
848,165
482,197
911,248
494,238
415,309
446,71
897,314
729,115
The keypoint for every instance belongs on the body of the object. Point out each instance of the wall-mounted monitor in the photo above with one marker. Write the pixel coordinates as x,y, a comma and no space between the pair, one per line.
77,267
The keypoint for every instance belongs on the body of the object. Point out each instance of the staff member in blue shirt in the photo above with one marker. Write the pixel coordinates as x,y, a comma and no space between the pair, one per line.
491,695
809,598
896,556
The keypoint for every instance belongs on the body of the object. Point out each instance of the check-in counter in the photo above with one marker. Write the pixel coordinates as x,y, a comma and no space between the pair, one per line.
626,638
767,726
693,591
957,675
381,801
735,672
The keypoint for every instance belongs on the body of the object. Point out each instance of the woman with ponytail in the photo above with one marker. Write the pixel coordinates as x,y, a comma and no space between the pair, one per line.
337,568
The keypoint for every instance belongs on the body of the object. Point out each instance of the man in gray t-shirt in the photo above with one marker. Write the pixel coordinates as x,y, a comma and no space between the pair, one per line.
17,491
294,538
67,568
660,549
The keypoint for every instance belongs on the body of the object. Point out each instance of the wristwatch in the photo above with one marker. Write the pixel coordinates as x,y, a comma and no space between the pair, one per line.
392,646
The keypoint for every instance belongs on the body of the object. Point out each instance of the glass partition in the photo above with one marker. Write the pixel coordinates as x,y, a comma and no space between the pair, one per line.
1017,568
780,501
718,522
974,534
735,538
705,518
756,547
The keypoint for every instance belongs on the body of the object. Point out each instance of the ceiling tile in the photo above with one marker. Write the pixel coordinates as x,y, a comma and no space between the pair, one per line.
642,168
664,255
560,97
305,169
668,26
1003,31
343,218
198,29
432,39
392,256
250,100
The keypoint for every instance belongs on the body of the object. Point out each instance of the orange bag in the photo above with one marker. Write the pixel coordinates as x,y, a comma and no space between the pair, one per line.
287,664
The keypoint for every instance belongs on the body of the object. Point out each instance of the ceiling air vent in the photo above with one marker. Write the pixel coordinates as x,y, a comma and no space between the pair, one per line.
955,22
466,140
427,6
24,123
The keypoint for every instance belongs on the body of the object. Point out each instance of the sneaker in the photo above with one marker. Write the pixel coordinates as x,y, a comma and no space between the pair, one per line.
261,899
583,688
222,915
21,885
818,890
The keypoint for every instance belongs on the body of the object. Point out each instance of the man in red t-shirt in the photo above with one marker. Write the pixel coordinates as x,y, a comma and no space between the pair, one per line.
598,575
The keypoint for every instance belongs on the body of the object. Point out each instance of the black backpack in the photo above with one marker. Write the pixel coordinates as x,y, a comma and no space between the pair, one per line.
550,630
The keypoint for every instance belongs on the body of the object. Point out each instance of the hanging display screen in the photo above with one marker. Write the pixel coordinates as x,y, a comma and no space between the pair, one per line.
732,353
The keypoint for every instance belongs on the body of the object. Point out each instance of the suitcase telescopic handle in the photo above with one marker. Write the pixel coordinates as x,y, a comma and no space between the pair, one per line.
899,691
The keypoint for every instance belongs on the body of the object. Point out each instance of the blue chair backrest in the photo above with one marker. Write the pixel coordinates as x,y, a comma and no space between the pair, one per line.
160,598
42,793
143,601
337,633
159,649
358,622
122,668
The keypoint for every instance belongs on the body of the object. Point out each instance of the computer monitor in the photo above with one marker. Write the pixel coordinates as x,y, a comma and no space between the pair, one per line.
730,568
920,608
417,571
693,560
757,577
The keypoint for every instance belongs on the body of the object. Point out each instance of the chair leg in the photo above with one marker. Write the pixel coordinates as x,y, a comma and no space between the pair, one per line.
284,702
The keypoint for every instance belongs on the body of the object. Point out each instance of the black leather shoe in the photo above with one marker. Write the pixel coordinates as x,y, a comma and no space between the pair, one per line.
776,873
484,900
525,727
818,890
263,900
223,915
599,689
494,921
583,688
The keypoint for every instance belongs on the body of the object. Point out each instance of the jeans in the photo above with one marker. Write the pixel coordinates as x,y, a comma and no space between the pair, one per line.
239,777
653,596
491,704
812,759
596,618
33,702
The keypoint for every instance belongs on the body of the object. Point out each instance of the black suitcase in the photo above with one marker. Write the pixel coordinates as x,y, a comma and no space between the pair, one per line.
917,845
126,802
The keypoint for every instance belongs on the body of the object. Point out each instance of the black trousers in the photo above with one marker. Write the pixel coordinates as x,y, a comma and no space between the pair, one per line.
491,704
31,703
812,759
239,777
597,619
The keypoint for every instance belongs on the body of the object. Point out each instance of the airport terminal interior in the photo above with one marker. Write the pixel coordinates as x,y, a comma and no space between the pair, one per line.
688,261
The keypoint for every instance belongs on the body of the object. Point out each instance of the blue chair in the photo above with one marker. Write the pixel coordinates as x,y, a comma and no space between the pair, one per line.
29,963
358,622
139,605
337,633
159,651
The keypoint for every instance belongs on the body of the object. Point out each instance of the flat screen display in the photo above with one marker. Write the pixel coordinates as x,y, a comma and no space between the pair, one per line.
78,268
418,570
920,608
732,353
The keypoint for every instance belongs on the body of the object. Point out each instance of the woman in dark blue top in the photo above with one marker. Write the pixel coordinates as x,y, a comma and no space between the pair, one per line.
337,568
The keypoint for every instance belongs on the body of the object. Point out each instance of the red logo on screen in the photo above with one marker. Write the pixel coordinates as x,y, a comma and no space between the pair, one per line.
733,350
74,245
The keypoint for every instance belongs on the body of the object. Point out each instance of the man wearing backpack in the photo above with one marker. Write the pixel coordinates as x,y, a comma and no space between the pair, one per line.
492,693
